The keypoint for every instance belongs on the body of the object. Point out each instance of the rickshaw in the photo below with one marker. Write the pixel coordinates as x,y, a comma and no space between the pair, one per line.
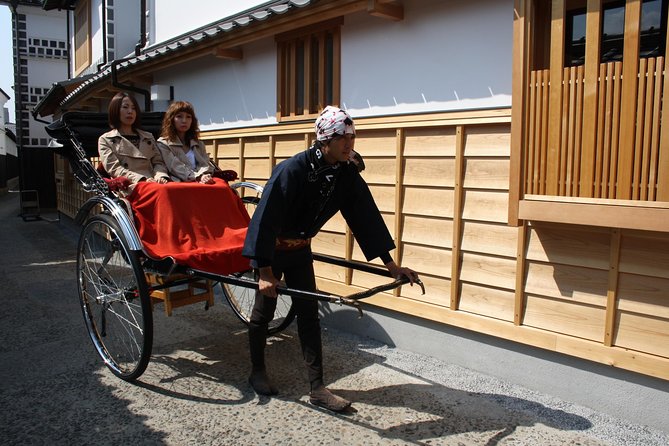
112,265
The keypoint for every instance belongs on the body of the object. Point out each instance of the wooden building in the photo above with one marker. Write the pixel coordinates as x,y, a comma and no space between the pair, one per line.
517,150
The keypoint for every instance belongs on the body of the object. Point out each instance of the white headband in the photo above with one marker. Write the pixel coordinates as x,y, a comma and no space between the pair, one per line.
333,121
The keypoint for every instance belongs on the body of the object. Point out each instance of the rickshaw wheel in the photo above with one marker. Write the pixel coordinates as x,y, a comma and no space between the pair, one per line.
114,298
241,299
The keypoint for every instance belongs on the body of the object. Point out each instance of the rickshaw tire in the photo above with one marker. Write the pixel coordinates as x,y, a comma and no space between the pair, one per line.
129,307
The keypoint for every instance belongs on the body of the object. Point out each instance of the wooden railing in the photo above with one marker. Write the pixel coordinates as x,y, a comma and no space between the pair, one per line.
604,166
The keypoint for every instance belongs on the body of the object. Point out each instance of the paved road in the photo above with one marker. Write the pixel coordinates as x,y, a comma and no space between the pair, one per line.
55,391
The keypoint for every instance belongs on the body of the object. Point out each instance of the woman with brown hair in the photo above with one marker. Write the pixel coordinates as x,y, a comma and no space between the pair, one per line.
179,143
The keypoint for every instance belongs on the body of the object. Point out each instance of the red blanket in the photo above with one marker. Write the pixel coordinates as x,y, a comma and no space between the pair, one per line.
202,226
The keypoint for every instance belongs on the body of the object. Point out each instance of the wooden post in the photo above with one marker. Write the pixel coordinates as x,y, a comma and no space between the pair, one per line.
518,97
399,198
612,292
521,258
555,106
663,162
629,99
458,203
590,97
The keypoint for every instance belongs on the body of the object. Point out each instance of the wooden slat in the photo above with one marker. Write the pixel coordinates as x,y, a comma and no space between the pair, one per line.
612,292
497,272
629,98
644,174
521,260
497,239
556,91
638,139
643,333
643,295
573,319
457,218
590,97
663,159
439,141
308,80
545,137
490,302
578,134
487,174
615,125
430,202
565,140
570,283
580,246
486,206
292,76
336,67
645,254
655,131
532,135
599,143
399,198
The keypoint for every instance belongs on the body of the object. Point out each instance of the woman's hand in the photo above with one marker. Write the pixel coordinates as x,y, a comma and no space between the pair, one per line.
163,180
206,179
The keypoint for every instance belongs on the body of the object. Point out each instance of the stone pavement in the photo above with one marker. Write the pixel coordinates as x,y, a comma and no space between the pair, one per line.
54,389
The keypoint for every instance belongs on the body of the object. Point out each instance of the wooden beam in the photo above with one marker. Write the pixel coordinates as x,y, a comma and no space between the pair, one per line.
386,10
228,53
606,214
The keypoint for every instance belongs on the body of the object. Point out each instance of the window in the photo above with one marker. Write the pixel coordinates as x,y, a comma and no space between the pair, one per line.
594,124
308,71
652,33
82,31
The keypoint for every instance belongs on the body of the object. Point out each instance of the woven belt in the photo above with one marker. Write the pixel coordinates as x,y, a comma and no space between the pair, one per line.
291,244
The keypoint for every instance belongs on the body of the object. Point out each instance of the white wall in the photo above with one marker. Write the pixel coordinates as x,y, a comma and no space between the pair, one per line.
46,25
228,93
127,19
444,55
44,72
97,43
170,20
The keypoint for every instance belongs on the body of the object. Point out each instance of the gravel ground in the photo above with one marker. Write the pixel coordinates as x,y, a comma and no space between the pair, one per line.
54,389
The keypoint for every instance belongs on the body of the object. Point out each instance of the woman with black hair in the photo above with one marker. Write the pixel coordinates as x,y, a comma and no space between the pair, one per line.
126,150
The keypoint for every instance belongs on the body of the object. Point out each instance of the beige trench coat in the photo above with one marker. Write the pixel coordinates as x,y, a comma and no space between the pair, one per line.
121,158
177,162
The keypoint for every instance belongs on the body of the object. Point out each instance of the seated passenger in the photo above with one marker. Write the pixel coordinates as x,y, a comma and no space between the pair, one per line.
184,154
126,150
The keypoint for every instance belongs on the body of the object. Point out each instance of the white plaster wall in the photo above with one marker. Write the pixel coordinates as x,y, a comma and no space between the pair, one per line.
445,55
127,21
46,25
228,93
97,44
44,72
169,20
